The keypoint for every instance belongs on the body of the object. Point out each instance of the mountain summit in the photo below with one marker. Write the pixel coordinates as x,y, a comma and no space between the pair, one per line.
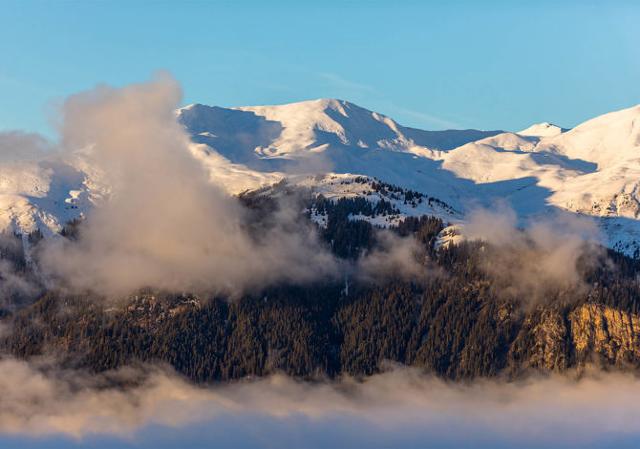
544,129
592,169
315,125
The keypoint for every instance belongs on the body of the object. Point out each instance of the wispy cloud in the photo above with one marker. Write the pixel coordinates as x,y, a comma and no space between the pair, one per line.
339,82
426,119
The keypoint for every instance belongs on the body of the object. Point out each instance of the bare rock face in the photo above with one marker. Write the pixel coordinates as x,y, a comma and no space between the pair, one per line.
541,343
556,340
605,336
549,350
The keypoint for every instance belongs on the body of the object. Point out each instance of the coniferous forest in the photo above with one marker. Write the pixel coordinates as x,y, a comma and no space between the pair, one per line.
457,324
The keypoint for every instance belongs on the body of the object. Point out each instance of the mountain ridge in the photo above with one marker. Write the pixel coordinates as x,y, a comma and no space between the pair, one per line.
591,169
539,169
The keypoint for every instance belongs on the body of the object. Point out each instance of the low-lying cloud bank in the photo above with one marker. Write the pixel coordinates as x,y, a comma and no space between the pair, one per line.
36,401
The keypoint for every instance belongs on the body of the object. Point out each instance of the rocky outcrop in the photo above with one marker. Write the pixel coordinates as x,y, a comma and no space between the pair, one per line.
540,344
309,333
606,336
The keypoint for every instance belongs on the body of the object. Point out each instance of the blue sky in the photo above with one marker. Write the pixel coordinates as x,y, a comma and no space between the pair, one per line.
428,64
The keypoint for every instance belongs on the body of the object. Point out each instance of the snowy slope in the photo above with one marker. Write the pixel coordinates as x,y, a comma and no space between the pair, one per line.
40,195
606,140
544,129
336,186
329,136
593,169
249,134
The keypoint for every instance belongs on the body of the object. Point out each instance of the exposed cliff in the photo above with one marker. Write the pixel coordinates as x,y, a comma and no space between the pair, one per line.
605,335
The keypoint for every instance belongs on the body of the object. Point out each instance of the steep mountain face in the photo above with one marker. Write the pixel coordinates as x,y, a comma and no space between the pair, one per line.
326,136
458,323
291,130
592,170
456,327
41,195
609,333
544,129
358,171
590,334
606,141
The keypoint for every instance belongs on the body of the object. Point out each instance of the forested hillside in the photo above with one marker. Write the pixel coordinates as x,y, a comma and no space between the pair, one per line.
457,322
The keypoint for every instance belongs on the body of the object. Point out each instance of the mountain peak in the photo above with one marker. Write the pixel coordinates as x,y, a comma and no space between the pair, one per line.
543,129
311,108
318,105
329,102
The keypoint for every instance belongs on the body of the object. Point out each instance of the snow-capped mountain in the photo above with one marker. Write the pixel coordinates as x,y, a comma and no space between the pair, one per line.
593,169
41,195
290,130
400,202
544,129
322,136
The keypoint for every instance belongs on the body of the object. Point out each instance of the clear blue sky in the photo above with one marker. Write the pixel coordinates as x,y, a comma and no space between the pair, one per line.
429,64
